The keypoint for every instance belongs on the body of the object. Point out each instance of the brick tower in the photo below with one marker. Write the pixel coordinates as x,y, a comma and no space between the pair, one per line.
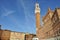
37,13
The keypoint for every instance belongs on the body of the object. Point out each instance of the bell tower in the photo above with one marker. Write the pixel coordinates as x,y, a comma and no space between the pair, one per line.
37,14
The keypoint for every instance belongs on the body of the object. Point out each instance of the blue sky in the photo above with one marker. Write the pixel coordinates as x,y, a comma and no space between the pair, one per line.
18,15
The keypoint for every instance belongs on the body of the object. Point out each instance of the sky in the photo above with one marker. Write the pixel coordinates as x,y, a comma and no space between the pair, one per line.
19,15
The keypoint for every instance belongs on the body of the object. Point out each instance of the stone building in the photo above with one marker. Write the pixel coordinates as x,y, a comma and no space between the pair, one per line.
56,22
51,23
29,36
17,35
0,34
13,35
5,34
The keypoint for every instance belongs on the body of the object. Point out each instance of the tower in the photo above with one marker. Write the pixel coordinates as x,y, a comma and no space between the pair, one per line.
37,14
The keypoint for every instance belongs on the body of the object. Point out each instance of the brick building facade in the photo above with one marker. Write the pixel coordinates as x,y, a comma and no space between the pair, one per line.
5,34
51,23
17,35
13,35
0,34
29,36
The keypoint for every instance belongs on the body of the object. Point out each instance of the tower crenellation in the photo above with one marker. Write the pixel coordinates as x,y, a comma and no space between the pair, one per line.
37,8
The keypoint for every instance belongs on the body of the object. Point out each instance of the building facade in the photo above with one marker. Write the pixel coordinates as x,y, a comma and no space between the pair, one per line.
51,23
29,36
5,35
13,35
17,36
56,22
0,34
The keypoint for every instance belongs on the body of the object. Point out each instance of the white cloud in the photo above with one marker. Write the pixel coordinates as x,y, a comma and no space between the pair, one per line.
6,12
29,17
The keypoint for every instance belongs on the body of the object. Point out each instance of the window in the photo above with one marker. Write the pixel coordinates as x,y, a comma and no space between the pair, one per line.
59,32
53,20
55,17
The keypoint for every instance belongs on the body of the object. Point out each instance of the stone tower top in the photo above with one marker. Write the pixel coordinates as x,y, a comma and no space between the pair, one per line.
49,10
37,8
